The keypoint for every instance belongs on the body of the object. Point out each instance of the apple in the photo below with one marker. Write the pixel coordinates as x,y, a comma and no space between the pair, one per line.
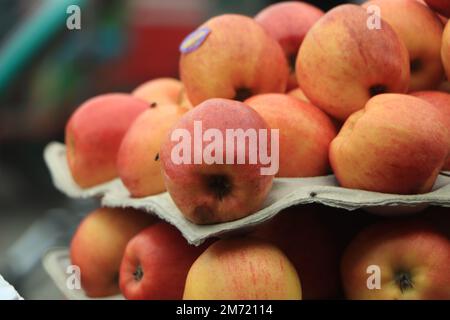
421,31
342,63
138,161
205,190
311,244
440,100
305,133
288,22
413,260
299,94
242,269
94,133
231,56
156,263
440,6
98,246
397,144
163,91
445,50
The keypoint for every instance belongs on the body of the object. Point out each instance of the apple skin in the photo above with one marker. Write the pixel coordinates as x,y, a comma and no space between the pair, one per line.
288,22
411,250
98,246
440,6
237,60
138,161
421,31
445,50
397,144
299,94
311,244
441,100
305,133
215,193
94,133
156,263
242,269
163,91
342,63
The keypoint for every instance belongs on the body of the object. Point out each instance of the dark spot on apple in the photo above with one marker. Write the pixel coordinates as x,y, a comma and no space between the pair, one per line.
157,157
153,105
404,280
292,60
219,184
377,89
243,94
203,214
138,273
416,65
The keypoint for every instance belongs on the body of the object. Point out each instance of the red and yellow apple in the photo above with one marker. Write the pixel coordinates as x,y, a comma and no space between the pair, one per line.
242,269
163,91
98,246
94,133
421,31
410,259
205,185
138,161
397,144
342,63
440,100
231,56
156,263
305,133
288,22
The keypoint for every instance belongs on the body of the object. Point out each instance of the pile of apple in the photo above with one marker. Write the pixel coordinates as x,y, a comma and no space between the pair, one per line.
351,92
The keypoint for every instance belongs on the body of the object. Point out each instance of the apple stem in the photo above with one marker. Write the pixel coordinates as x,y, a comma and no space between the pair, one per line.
138,274
404,280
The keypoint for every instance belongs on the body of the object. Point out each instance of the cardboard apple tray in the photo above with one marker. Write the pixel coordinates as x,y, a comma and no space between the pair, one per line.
286,192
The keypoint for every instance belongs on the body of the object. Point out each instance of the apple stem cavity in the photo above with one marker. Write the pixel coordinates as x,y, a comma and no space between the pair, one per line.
416,65
138,273
243,94
220,185
292,59
377,89
404,280
153,105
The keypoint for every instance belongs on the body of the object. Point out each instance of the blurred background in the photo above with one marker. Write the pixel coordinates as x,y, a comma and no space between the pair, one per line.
46,71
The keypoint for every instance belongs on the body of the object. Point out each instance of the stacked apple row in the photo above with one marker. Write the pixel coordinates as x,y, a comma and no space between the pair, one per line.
360,99
307,252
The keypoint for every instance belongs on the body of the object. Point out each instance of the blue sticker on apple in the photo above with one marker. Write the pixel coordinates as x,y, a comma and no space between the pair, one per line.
194,40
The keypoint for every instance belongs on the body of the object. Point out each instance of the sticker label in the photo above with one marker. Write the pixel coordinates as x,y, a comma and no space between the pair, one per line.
194,40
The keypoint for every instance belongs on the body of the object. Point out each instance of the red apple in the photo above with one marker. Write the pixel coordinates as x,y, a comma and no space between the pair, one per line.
305,133
342,63
94,133
231,56
156,264
288,22
412,258
138,161
397,144
163,91
205,185
98,246
440,100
